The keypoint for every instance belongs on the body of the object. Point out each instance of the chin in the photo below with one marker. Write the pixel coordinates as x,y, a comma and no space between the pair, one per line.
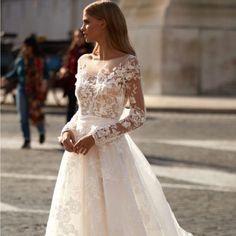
88,40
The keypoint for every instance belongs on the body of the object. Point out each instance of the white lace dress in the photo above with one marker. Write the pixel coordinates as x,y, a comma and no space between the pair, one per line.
110,191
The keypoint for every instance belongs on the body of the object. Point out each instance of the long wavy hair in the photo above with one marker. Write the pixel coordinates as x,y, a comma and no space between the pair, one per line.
117,33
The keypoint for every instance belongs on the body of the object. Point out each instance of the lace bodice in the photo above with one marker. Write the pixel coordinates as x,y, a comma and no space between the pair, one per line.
103,88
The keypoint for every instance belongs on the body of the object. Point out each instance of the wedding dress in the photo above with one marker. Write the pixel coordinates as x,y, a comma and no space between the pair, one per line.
110,191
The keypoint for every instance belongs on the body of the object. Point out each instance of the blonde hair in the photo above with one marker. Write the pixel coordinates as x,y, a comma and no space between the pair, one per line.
116,25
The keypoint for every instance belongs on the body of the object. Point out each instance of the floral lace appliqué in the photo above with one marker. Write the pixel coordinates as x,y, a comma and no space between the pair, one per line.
103,90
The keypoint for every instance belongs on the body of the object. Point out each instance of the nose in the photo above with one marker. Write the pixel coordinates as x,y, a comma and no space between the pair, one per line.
82,28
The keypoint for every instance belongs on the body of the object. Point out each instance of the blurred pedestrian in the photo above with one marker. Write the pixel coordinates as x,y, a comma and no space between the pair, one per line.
32,75
68,71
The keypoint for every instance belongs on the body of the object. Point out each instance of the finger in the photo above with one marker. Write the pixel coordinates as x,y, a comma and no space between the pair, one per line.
86,151
78,145
77,149
80,148
72,138
83,150
67,143
68,148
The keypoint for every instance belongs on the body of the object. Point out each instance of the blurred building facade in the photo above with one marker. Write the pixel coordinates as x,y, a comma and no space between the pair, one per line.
52,19
185,47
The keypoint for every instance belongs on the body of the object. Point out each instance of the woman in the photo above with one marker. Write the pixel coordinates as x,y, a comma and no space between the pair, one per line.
31,72
105,186
67,73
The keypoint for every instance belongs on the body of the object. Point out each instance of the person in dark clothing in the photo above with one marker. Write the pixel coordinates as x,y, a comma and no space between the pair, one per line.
67,72
31,71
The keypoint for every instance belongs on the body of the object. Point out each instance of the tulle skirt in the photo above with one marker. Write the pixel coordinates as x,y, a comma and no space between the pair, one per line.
110,191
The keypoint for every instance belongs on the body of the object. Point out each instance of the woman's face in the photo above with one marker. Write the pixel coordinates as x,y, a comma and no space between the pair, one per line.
92,28
27,50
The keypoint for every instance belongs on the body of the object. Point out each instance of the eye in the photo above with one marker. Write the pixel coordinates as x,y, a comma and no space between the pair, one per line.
86,21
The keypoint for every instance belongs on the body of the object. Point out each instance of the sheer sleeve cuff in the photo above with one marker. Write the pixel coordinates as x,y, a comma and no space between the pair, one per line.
100,136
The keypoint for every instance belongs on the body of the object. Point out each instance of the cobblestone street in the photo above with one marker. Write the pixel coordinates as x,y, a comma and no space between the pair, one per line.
193,156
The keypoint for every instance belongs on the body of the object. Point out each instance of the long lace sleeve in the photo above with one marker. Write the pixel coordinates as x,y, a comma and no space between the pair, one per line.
69,126
136,116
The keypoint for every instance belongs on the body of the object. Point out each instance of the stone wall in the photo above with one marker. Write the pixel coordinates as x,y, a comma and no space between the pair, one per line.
185,47
145,20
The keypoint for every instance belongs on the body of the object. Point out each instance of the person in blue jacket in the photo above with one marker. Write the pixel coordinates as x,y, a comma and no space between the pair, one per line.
32,74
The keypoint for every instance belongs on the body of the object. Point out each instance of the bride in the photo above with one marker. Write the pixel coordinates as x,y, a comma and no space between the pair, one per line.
105,186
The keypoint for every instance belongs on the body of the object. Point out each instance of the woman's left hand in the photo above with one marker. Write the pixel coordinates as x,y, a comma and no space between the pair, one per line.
84,144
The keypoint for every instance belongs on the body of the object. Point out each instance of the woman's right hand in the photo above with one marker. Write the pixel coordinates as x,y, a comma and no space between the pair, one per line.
68,141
